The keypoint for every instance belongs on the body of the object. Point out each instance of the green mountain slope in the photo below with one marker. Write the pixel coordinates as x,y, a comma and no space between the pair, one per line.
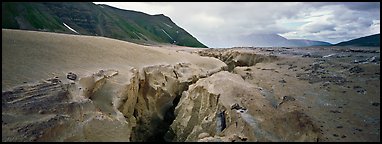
372,41
87,18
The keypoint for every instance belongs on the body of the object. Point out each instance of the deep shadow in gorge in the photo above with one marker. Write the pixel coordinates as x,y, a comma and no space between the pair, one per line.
164,126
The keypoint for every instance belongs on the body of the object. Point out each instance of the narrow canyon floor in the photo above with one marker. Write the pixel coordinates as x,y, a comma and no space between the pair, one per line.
59,87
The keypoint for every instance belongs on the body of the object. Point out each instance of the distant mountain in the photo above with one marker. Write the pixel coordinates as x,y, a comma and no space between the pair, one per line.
265,40
303,42
87,18
275,40
372,41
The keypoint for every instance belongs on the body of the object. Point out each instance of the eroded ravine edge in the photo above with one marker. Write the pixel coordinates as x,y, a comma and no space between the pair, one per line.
143,108
140,105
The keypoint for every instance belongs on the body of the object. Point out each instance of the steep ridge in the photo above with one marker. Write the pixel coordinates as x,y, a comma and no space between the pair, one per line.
86,18
371,41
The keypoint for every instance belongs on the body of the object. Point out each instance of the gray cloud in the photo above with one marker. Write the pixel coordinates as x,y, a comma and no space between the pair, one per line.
219,24
359,6
318,26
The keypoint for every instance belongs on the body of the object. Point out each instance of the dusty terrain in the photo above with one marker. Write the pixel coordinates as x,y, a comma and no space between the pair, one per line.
337,87
59,87
115,81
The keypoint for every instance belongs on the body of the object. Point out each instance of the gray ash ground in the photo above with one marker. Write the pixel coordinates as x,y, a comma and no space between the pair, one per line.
338,87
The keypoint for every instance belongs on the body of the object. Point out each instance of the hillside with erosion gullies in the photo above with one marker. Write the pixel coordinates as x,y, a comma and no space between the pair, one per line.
87,18
65,87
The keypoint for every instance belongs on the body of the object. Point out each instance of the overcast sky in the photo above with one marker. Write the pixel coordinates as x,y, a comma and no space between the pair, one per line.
212,23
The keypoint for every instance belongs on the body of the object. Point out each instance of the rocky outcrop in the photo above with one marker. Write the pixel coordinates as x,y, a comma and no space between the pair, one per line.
182,102
246,114
56,110
153,96
131,99
237,57
108,105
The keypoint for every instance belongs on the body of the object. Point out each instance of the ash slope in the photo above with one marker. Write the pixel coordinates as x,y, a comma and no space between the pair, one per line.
29,56
120,92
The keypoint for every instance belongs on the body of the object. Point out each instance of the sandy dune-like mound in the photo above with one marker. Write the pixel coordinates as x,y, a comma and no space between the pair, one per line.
30,56
59,87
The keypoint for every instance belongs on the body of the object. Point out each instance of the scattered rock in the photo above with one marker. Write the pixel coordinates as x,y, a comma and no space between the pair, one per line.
375,103
236,138
335,79
292,67
360,90
244,138
335,111
288,98
100,73
54,80
339,126
282,81
355,87
41,112
316,66
306,55
268,69
71,76
242,111
374,59
236,106
203,135
356,69
359,61
210,139
358,129
285,99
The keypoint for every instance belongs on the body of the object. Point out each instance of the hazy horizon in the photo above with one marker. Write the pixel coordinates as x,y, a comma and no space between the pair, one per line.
217,24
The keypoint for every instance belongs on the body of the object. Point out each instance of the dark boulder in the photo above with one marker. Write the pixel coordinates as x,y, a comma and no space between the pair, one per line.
356,69
71,76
